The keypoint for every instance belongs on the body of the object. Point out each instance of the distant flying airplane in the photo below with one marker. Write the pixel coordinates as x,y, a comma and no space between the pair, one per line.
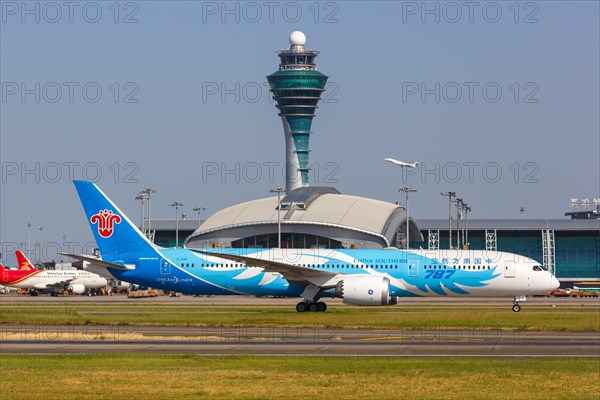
358,276
53,282
402,163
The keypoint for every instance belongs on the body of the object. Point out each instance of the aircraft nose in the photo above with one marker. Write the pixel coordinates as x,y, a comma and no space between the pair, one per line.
554,283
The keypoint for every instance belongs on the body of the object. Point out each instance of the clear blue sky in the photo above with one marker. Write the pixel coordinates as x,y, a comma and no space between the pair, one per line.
184,97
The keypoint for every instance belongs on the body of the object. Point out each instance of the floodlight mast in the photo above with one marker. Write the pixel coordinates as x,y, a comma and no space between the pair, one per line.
176,204
148,192
142,196
458,215
199,210
278,190
406,191
450,195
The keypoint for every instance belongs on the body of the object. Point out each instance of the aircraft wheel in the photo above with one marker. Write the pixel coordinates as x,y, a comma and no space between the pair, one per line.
301,307
313,307
322,307
516,308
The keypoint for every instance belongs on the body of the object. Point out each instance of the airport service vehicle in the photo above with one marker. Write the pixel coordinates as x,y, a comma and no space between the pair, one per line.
359,276
46,281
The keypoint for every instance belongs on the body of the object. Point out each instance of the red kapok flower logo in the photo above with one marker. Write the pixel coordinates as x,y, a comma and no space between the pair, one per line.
105,220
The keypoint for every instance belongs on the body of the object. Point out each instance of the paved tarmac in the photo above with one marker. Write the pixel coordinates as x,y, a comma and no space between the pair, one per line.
92,339
12,298
69,339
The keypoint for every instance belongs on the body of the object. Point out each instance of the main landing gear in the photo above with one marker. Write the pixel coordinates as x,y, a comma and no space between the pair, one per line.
313,306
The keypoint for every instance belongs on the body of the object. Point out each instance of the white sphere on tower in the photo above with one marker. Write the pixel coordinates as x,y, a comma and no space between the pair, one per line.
297,38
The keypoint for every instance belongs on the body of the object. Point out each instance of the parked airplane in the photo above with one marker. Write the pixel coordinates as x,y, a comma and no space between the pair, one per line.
402,163
358,276
46,281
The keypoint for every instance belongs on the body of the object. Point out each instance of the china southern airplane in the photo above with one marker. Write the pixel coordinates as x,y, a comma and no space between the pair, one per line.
358,276
46,281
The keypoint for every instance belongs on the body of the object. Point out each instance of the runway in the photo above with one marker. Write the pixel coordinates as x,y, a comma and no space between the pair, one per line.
398,342
94,339
250,301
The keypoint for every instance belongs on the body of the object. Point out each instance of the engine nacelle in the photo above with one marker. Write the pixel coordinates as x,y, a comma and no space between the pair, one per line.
365,291
77,288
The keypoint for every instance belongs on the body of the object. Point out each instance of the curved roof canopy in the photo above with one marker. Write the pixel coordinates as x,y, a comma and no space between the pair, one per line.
311,206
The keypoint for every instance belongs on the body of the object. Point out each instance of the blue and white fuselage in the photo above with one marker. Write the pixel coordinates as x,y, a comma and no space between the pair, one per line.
362,277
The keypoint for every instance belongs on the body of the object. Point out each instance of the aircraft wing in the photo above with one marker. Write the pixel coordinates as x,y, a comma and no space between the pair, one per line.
292,273
53,285
97,261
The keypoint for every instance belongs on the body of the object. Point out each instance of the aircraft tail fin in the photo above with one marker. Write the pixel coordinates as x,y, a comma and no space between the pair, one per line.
23,261
118,239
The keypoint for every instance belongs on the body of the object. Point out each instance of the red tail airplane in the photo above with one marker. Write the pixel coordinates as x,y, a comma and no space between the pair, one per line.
26,277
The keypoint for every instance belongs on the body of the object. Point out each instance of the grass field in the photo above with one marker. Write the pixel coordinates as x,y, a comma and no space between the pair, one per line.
543,318
248,377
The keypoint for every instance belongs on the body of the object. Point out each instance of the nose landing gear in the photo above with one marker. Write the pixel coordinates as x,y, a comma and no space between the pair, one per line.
516,306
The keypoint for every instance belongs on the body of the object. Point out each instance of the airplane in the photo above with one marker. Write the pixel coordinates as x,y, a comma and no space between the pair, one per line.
362,277
402,163
53,282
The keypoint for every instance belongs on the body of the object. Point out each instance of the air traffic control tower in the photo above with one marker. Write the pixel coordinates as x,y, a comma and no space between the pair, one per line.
297,88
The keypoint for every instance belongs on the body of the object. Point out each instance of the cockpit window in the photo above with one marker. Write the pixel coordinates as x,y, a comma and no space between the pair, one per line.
538,268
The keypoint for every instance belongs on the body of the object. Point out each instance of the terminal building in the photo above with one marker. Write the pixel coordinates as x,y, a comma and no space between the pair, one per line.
322,217
569,247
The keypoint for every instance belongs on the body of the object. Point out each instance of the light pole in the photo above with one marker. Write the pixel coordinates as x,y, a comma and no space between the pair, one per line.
463,214
450,195
279,190
148,191
406,191
41,228
458,203
28,238
467,210
199,210
176,204
142,197
522,209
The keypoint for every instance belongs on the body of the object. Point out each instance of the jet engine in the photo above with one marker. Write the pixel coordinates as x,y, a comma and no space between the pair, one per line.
77,288
365,291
